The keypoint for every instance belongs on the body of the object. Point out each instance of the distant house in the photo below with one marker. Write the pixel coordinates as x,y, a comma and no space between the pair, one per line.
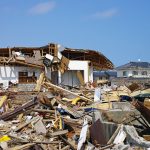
104,75
134,69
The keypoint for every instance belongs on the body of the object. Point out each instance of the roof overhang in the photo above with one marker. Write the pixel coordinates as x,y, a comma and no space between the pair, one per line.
98,60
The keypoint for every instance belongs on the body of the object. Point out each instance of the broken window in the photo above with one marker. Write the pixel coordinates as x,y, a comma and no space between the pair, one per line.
52,52
135,72
24,78
144,73
125,73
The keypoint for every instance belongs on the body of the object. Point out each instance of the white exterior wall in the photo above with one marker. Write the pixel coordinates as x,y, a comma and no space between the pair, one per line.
70,76
10,73
47,72
80,65
130,73
91,73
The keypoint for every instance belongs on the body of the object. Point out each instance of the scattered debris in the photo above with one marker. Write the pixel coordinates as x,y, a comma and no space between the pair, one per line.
91,116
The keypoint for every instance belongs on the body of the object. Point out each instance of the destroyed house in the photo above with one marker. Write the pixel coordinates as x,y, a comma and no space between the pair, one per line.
81,65
22,65
65,66
134,69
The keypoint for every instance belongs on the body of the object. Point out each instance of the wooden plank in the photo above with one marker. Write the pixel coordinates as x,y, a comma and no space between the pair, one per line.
80,77
2,100
114,135
144,110
146,137
19,110
147,103
22,147
64,64
39,82
44,110
64,90
67,142
66,147
27,64
61,132
41,142
25,124
107,147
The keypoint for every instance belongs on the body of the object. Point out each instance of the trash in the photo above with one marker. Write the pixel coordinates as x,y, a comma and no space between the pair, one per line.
5,138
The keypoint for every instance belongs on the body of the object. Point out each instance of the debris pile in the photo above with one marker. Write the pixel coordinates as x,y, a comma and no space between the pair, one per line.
91,117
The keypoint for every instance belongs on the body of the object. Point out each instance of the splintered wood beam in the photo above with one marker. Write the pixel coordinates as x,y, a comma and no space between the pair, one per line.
13,61
57,133
2,100
39,82
27,64
44,110
67,142
10,115
64,90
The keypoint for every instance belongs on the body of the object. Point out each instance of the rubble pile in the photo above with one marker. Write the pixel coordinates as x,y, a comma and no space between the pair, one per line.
91,117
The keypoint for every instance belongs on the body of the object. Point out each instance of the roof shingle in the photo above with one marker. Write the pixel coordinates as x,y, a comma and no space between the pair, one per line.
134,65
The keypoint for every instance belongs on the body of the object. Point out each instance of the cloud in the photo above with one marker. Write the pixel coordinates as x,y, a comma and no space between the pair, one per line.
105,14
42,8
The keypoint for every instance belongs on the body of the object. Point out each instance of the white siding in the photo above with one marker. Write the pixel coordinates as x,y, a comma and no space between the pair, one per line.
70,77
119,73
80,65
91,73
10,73
130,73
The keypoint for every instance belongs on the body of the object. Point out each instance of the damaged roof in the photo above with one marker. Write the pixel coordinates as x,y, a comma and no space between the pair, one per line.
98,60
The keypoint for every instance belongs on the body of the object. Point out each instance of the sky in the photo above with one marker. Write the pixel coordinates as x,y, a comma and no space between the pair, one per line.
120,29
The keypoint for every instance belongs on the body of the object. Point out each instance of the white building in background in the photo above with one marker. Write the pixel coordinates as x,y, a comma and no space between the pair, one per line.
18,74
134,69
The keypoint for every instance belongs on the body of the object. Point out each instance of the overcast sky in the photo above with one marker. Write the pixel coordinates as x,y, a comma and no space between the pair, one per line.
120,29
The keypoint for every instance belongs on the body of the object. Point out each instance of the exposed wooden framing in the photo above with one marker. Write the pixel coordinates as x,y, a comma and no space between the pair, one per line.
98,59
49,48
6,60
42,52
9,52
